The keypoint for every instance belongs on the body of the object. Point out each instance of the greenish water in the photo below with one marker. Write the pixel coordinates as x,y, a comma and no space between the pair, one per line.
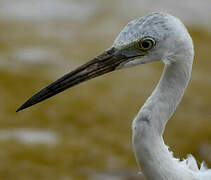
91,122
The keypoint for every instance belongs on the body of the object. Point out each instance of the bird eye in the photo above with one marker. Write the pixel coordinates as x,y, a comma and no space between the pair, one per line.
146,44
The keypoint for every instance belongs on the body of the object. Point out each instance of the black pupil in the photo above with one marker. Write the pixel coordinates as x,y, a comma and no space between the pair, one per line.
146,44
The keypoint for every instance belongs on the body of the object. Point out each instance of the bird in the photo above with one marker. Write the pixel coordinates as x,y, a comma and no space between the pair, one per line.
156,36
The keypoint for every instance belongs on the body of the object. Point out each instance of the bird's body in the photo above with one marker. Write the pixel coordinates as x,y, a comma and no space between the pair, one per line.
153,37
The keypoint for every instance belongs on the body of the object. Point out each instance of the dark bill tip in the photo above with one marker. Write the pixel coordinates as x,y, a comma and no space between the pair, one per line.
40,96
21,108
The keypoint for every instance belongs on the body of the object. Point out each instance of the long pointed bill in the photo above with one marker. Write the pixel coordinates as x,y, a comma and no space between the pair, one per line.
104,63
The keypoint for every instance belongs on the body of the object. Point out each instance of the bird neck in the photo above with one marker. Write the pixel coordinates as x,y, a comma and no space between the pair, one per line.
157,162
151,153
167,95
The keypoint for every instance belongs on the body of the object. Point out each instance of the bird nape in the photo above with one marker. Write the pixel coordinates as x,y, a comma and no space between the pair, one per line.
154,37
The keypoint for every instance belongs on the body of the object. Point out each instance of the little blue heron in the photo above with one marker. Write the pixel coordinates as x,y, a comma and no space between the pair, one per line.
154,37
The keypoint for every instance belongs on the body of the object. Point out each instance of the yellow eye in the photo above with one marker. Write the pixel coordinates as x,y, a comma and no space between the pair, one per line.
146,44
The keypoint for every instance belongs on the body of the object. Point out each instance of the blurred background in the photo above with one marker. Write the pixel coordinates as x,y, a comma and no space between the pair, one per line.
85,132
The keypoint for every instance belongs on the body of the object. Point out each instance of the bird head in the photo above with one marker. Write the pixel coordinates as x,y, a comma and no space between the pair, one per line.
153,37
